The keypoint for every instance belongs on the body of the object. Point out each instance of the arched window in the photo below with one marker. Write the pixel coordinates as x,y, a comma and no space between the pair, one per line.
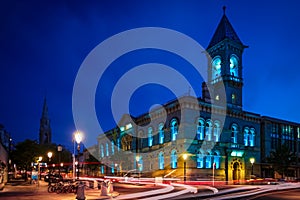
216,160
252,137
140,163
234,133
208,161
234,63
200,129
216,67
118,144
246,136
233,98
174,129
161,161
102,169
200,162
112,166
173,159
161,133
150,137
112,148
216,131
107,149
208,130
102,150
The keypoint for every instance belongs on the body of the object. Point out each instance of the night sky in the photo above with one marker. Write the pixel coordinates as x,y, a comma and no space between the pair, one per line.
43,44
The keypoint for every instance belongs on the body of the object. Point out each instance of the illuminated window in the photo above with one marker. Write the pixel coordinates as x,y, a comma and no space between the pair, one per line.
216,160
173,159
150,137
140,163
216,131
208,161
233,98
246,136
161,161
200,129
128,126
161,133
200,162
102,169
112,148
174,129
234,65
234,133
102,150
252,137
112,166
217,97
107,150
208,130
118,144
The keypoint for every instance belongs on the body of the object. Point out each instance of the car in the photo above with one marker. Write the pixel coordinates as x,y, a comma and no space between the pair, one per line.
53,178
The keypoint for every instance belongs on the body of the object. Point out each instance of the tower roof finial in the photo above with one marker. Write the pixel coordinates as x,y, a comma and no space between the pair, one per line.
224,9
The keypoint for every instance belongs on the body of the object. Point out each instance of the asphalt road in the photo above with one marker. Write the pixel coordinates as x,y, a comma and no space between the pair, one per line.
277,195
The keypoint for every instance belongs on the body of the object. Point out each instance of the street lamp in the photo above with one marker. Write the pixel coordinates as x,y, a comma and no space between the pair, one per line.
252,160
137,158
59,149
39,169
184,166
78,138
76,163
49,155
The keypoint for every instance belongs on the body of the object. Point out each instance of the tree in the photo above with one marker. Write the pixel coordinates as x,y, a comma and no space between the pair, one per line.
281,158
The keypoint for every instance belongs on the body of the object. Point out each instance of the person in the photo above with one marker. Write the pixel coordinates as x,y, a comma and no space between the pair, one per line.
80,191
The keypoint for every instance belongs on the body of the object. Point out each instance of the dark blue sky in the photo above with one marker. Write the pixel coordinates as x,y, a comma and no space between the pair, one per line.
43,44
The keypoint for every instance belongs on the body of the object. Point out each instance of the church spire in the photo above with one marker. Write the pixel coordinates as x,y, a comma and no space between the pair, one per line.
45,129
45,109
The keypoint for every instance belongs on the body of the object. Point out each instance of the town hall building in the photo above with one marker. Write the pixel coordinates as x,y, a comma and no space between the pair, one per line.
225,140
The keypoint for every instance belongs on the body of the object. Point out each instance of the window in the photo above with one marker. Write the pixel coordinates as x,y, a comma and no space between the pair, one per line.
252,137
173,159
216,131
208,161
233,98
102,169
112,148
216,160
200,163
107,150
208,129
161,162
234,65
246,136
140,163
118,144
112,166
161,133
174,129
234,133
150,137
200,129
102,150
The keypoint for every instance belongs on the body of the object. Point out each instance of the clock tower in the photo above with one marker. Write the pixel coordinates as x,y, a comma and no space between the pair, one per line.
225,66
45,129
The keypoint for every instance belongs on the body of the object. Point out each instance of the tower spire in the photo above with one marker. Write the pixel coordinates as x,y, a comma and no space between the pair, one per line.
45,129
224,10
45,109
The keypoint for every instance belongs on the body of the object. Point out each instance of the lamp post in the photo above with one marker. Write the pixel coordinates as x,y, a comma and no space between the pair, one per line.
76,168
78,138
59,149
184,166
49,156
137,158
39,169
252,160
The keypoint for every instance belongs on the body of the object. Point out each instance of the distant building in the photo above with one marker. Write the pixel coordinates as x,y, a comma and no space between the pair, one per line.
5,149
45,134
227,149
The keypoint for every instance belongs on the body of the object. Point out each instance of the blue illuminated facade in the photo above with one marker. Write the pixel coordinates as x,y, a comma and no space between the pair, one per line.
230,141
